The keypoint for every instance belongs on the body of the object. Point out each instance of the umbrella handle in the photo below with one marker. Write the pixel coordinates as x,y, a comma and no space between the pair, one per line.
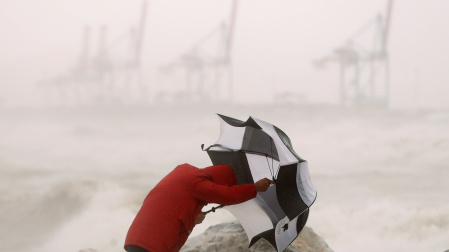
213,209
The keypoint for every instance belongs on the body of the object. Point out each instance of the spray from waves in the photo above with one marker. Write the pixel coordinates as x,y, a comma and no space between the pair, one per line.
103,223
382,226
32,211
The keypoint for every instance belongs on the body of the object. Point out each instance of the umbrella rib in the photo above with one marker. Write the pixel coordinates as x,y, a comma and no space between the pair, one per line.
272,165
272,161
278,170
269,168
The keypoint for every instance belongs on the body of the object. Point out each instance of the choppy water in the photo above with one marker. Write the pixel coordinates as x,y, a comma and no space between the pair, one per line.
75,178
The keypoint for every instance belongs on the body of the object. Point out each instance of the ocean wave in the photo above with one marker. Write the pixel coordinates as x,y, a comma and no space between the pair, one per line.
33,211
382,226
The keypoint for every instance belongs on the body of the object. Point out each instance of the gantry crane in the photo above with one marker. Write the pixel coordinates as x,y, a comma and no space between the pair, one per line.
365,67
112,74
208,70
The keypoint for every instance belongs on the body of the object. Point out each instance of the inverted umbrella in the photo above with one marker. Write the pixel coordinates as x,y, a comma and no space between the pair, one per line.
256,149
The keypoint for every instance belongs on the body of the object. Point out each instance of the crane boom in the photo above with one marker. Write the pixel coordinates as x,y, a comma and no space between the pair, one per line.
231,29
141,31
387,25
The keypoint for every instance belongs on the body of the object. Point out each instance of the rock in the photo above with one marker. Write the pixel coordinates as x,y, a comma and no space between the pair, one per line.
231,237
308,240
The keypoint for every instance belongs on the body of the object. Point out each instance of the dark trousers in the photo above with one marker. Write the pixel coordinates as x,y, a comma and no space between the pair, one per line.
134,248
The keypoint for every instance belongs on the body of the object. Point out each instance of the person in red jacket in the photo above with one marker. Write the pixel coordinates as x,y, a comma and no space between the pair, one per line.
173,207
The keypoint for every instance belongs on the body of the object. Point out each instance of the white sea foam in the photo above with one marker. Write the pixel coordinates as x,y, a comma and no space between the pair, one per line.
75,180
101,225
382,226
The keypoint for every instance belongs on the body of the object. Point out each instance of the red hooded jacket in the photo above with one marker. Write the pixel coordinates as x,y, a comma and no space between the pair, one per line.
168,213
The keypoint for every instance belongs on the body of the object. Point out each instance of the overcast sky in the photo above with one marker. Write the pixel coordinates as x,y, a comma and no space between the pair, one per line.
274,43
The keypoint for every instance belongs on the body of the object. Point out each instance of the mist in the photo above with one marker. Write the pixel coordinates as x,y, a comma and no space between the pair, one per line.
99,100
273,46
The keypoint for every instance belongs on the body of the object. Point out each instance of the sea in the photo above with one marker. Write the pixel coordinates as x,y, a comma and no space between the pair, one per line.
73,178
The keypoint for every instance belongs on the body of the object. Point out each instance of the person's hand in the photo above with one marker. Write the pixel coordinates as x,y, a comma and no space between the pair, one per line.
199,218
263,184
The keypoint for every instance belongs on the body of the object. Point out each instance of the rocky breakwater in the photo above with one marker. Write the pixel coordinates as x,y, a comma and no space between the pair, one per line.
230,237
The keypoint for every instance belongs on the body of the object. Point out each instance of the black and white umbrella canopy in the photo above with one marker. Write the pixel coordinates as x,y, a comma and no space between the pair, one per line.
255,150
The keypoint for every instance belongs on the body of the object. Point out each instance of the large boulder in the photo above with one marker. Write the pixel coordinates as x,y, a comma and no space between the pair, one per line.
230,237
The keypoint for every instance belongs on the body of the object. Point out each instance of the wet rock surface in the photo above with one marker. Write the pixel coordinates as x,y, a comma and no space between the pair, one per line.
231,237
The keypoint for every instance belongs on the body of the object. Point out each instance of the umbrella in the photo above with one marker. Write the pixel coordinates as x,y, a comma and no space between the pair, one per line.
256,149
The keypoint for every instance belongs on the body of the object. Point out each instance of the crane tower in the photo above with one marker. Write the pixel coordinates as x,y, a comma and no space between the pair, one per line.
364,63
111,75
208,69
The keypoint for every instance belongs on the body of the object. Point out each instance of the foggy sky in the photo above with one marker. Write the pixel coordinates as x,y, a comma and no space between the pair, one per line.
274,43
